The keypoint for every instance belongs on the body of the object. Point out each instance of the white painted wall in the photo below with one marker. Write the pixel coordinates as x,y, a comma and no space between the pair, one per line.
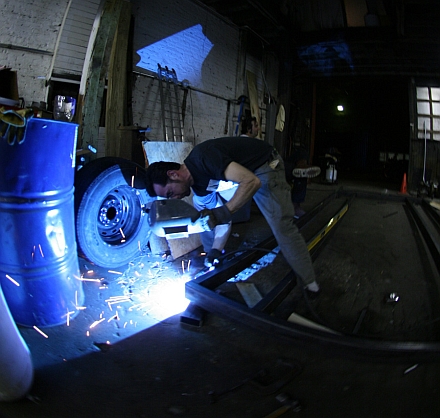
32,25
205,55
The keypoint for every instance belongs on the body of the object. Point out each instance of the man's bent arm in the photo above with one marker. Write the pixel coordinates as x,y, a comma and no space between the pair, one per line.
248,184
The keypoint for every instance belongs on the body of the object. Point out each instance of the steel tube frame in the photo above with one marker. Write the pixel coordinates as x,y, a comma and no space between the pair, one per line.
200,292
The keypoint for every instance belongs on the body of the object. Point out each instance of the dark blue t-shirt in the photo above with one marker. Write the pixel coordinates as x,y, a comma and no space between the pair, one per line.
208,160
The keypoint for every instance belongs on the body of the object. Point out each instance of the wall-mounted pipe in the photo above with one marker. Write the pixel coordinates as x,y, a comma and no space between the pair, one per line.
424,153
25,49
181,84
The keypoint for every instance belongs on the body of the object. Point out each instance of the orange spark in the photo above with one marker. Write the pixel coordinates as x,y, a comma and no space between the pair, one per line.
41,332
12,280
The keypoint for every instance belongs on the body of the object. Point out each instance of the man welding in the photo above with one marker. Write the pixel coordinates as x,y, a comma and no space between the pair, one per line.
215,241
258,170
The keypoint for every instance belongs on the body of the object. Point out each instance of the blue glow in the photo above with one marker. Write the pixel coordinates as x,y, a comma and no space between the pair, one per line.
184,51
326,56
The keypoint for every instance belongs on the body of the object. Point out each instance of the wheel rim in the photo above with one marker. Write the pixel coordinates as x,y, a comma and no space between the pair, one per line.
117,219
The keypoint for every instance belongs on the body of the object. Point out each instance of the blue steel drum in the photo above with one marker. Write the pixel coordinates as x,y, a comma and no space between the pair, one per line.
39,270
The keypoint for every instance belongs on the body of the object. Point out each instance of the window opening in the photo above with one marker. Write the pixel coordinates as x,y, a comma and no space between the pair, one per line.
428,113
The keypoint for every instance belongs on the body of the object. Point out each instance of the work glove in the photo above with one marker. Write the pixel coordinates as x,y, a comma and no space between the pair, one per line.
213,258
216,216
13,124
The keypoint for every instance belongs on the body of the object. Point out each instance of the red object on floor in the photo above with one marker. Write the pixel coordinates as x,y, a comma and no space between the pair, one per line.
403,188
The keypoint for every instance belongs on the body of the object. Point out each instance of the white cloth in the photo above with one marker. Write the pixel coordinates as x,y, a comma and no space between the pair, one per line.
281,118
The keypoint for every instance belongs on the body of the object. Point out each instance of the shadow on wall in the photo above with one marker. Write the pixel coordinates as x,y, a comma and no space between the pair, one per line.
173,52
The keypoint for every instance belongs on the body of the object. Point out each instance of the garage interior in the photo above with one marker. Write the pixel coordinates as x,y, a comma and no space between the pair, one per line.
135,351
246,342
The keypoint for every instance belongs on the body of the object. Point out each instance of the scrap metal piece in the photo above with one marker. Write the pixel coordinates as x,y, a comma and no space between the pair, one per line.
392,298
214,396
360,320
287,404
193,316
250,293
300,320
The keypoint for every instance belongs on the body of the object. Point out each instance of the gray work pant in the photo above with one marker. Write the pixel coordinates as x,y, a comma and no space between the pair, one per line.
273,200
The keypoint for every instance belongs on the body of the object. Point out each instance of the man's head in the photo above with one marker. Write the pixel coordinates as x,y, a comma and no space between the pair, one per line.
250,127
168,179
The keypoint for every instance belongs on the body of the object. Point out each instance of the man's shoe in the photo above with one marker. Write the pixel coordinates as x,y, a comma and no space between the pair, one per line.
307,172
311,294
299,212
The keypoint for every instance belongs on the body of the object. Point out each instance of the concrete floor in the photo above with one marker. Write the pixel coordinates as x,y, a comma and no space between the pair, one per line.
139,361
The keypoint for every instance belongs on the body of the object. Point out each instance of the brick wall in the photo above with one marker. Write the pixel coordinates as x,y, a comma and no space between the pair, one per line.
203,50
208,56
31,30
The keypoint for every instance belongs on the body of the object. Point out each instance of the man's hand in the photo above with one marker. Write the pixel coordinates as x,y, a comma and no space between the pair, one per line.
216,216
13,124
213,258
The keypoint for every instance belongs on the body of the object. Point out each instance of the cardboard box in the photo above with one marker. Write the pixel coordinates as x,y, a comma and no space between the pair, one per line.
8,85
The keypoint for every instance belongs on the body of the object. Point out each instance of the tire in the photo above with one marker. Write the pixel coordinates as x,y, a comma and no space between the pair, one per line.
85,176
111,219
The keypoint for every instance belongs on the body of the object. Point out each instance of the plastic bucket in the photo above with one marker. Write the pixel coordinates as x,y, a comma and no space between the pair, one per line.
39,271
331,174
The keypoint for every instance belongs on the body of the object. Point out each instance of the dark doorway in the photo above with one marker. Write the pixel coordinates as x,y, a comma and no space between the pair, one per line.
370,133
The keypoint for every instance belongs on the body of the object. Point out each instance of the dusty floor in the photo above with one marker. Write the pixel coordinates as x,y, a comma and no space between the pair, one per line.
139,361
